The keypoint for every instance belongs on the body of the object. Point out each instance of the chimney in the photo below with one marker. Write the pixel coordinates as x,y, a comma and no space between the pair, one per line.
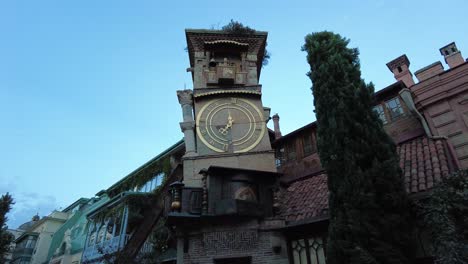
400,69
276,126
451,55
429,71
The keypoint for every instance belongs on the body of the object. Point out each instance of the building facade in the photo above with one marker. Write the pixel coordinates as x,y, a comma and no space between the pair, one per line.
427,121
247,194
234,191
223,211
69,240
126,220
32,246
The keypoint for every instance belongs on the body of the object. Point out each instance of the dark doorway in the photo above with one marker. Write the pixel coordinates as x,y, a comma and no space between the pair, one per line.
242,260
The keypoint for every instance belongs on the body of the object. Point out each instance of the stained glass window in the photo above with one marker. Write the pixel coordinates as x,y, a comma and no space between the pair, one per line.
316,252
308,251
299,253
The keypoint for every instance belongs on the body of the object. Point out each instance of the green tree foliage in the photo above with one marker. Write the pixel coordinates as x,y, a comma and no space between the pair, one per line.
369,208
237,28
6,201
446,214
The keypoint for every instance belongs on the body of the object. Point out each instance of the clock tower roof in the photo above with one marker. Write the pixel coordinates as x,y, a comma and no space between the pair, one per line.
202,40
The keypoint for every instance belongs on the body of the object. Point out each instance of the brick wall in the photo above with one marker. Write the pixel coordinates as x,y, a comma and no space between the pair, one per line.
404,128
221,241
443,100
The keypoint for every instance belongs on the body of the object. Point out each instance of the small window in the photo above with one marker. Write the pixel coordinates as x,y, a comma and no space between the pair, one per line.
394,108
399,69
308,144
291,150
380,112
151,184
279,159
158,180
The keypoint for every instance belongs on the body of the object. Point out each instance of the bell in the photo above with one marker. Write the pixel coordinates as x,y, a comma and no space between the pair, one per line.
212,63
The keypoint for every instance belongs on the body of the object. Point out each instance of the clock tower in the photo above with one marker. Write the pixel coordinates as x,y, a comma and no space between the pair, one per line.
224,120
220,207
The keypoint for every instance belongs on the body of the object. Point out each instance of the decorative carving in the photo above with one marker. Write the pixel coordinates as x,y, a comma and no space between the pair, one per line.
245,194
185,97
176,190
231,240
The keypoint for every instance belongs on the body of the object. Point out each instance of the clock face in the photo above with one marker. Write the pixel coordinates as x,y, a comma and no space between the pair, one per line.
230,125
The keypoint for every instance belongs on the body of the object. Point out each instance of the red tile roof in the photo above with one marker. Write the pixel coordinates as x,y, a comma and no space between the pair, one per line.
304,199
423,161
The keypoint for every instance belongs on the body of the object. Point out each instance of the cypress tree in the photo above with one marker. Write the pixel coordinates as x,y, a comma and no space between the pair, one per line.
369,208
5,237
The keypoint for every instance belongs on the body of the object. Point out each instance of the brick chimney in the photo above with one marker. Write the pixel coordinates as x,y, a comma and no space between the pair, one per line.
276,126
451,55
400,69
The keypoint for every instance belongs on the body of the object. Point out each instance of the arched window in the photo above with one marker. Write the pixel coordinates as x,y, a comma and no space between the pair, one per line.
308,250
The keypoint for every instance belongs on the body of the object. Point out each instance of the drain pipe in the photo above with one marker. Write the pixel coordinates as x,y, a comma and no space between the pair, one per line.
405,94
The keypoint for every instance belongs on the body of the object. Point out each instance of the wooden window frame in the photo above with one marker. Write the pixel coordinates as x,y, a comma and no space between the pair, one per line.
390,109
380,113
313,146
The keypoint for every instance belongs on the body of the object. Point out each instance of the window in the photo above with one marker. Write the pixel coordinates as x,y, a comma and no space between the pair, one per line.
152,183
394,108
92,238
279,157
380,112
101,233
308,144
291,150
307,251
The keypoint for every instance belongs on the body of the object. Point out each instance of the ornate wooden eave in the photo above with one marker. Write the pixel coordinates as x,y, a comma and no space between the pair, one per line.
254,90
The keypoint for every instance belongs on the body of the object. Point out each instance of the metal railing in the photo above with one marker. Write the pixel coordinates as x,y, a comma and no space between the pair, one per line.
105,247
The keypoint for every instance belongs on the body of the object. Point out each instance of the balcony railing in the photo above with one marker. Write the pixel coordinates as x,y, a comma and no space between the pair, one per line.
113,245
105,247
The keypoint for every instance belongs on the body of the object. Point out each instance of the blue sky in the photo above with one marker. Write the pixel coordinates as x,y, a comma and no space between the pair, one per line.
88,88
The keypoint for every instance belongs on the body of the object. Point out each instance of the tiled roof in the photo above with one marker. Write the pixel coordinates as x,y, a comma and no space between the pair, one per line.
423,161
304,199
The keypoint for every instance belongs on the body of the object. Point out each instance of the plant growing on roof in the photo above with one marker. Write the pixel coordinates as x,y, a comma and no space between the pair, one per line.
237,28
162,166
369,208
